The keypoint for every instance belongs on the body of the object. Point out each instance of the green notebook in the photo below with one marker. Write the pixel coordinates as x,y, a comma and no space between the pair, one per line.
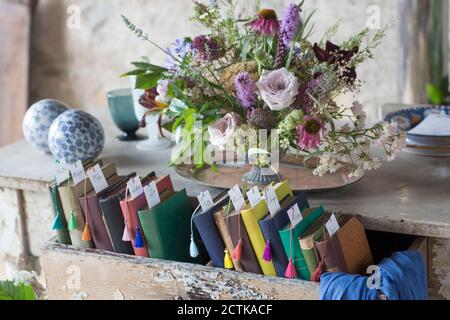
309,217
167,229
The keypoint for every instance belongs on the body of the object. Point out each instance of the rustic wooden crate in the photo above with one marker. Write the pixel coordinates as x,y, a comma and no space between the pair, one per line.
73,273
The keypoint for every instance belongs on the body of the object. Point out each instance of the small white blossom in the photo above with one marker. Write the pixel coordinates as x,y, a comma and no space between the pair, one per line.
24,277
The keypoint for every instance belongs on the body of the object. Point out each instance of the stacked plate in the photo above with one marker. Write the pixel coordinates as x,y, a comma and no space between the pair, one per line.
428,129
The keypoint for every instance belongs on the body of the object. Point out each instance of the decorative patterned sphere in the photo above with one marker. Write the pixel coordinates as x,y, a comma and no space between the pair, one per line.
38,120
76,135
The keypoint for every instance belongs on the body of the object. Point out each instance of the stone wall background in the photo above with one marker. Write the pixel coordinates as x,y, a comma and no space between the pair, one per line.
80,66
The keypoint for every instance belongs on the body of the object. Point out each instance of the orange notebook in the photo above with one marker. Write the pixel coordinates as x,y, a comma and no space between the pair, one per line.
131,207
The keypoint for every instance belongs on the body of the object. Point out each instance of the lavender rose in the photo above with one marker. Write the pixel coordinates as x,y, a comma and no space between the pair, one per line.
278,89
222,131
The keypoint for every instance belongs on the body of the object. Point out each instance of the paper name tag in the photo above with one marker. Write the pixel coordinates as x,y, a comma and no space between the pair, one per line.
152,195
272,201
206,201
77,172
97,178
62,172
254,196
135,187
237,198
295,215
332,225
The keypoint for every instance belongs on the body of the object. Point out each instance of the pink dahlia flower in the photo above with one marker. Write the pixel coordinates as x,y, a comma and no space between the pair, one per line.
266,23
309,133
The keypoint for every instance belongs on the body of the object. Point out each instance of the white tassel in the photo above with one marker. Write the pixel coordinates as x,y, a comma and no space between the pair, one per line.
193,249
126,235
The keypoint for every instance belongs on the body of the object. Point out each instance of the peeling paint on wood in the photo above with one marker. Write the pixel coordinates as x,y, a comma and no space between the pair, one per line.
439,268
149,279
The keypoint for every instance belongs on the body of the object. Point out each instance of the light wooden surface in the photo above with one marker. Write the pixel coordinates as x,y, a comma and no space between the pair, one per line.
409,195
14,64
132,278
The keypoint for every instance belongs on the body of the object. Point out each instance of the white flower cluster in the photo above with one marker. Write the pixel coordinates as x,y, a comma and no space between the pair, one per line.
393,141
24,277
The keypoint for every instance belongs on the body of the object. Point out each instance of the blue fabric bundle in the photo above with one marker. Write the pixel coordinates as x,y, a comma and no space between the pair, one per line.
403,277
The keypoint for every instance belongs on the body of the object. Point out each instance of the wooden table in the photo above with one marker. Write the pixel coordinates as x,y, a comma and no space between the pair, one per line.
410,196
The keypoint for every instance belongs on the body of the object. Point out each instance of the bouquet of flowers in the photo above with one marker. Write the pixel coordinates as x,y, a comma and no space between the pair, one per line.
262,72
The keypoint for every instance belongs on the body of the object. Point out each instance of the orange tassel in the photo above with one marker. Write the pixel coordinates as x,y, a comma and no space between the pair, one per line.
86,234
237,253
318,273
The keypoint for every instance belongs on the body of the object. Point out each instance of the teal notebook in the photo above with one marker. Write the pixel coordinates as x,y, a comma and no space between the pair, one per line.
167,229
309,217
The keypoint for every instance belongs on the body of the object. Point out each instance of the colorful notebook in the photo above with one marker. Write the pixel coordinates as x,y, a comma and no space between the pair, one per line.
346,251
114,221
93,213
270,227
221,223
69,199
63,235
331,251
207,228
237,232
131,207
167,229
291,240
252,217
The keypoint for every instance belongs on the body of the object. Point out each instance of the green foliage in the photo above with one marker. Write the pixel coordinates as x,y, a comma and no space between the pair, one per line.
9,291
435,94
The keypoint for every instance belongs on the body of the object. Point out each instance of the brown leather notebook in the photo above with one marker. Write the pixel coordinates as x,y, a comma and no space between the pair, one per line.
329,250
221,224
93,213
237,231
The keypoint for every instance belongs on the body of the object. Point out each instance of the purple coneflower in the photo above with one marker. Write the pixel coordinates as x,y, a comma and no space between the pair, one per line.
266,23
245,89
290,24
309,133
207,48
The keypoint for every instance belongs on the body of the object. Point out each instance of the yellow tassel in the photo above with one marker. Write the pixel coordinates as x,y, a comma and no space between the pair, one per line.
227,261
86,234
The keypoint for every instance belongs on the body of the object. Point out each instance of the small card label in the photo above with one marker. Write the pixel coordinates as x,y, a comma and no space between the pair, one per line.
332,225
237,198
206,201
77,172
97,178
61,172
152,195
254,196
295,215
272,201
135,187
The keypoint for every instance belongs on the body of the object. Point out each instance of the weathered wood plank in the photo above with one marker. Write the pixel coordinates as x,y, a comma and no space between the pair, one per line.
14,65
108,276
439,268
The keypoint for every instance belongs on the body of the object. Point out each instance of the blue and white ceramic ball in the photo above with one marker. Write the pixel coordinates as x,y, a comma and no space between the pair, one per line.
38,120
76,135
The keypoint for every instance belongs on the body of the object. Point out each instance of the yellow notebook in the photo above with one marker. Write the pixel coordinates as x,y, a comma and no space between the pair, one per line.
251,218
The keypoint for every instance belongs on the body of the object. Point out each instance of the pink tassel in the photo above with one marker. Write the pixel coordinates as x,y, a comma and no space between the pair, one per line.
291,273
126,235
237,253
318,273
267,253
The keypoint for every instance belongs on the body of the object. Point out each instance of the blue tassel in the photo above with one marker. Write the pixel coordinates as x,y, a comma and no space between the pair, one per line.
57,223
139,241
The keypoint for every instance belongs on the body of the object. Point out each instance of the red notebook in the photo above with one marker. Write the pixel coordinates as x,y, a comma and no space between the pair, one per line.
93,213
131,207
